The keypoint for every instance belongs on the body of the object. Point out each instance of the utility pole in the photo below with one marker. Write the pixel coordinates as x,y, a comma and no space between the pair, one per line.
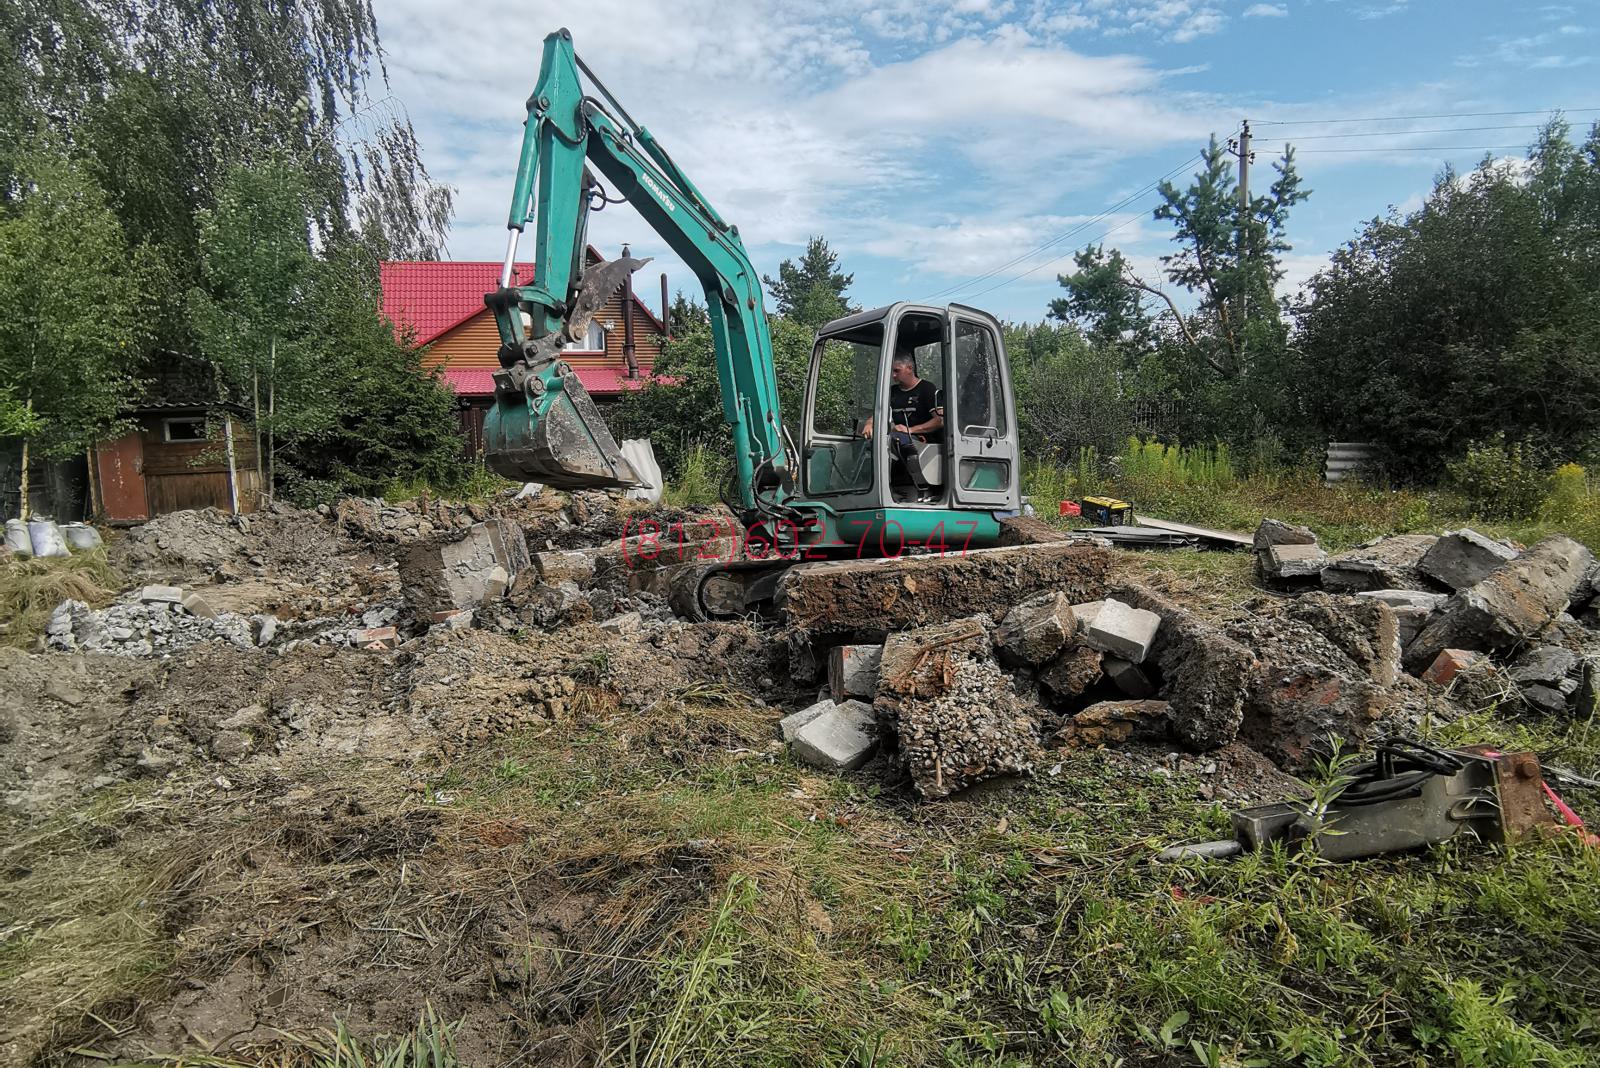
1240,147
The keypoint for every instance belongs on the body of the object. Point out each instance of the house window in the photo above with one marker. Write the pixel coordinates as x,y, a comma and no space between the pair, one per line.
593,341
184,428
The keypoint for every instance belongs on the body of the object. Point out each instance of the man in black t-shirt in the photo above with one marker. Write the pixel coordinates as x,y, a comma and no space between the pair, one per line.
916,411
916,408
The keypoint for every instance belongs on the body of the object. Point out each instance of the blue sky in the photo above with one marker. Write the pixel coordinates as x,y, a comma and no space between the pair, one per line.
934,142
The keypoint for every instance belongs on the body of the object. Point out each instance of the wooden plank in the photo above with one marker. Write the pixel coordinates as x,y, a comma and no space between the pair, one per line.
1226,537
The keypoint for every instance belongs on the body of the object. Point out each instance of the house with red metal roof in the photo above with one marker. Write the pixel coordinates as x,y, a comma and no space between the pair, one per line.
441,303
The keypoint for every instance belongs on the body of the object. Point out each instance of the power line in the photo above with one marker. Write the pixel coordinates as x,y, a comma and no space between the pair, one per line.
1079,228
1420,148
1414,118
1033,270
1406,133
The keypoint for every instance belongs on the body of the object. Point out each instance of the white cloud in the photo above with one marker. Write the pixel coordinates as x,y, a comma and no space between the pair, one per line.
1266,11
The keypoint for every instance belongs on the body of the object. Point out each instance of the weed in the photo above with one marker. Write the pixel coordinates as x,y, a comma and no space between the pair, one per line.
32,587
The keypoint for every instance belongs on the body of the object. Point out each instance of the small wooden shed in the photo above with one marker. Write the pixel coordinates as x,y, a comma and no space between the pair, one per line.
191,447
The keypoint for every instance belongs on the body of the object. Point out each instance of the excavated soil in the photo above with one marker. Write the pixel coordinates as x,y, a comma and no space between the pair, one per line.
288,805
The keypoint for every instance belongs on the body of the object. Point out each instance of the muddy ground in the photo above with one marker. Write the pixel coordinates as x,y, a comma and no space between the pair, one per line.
261,839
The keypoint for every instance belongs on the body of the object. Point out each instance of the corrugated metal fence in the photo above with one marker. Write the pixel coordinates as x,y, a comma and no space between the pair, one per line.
1346,459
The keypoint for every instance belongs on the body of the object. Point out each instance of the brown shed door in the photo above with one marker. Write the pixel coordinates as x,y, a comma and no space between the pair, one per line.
121,468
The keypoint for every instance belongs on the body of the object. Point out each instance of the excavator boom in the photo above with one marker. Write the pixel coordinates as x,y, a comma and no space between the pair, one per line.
544,427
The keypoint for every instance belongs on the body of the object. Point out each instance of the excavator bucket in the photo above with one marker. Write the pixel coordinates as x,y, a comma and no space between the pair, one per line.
544,427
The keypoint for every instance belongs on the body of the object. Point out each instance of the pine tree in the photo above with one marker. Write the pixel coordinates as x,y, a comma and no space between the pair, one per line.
811,292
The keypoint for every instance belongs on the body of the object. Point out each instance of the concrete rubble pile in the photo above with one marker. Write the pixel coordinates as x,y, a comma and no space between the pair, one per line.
941,671
1468,610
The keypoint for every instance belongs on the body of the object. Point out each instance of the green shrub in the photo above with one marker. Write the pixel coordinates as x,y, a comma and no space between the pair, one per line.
1501,479
1568,496
698,482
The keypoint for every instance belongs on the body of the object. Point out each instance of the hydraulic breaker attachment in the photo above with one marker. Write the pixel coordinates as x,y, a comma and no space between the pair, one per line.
544,427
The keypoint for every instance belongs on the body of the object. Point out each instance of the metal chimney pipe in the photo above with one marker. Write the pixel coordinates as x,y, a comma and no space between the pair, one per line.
666,309
627,322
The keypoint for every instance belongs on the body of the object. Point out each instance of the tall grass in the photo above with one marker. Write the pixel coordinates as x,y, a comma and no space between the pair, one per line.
31,587
697,484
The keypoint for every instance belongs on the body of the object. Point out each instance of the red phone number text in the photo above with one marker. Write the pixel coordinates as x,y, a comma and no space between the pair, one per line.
653,543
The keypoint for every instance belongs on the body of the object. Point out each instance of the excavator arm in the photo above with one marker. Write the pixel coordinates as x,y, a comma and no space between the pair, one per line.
544,426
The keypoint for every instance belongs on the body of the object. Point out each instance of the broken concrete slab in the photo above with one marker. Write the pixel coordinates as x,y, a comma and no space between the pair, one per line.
161,595
1513,604
1462,558
1074,671
1034,631
1546,664
876,597
1386,564
918,663
465,571
1129,677
1115,722
841,738
1084,614
1410,622
1276,532
1545,700
197,605
1451,662
558,566
853,671
1029,530
1365,630
1293,563
1122,630
1204,672
977,729
1430,602
790,725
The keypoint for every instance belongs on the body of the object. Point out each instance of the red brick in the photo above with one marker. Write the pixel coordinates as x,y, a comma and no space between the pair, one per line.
1449,663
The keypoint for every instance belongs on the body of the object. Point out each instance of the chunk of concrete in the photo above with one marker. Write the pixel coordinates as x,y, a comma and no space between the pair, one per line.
790,725
1074,671
1430,602
1122,630
1518,600
1276,532
628,624
1083,614
197,606
1130,678
1386,564
1547,665
266,628
1115,722
1462,558
883,596
1450,663
161,595
841,738
464,571
853,671
560,566
1289,563
1036,630
1410,622
1545,700
1205,673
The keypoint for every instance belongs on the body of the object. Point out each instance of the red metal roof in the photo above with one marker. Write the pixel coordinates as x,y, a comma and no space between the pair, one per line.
431,296
599,381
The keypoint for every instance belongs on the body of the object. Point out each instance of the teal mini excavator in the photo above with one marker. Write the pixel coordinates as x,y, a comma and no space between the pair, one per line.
842,490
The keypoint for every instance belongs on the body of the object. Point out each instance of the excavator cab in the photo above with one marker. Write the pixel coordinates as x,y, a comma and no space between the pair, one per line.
854,461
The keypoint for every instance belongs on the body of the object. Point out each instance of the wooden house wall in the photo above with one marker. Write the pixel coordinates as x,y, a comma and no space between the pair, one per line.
473,344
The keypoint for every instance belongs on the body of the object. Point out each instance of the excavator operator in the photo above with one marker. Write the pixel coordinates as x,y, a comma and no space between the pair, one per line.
916,412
